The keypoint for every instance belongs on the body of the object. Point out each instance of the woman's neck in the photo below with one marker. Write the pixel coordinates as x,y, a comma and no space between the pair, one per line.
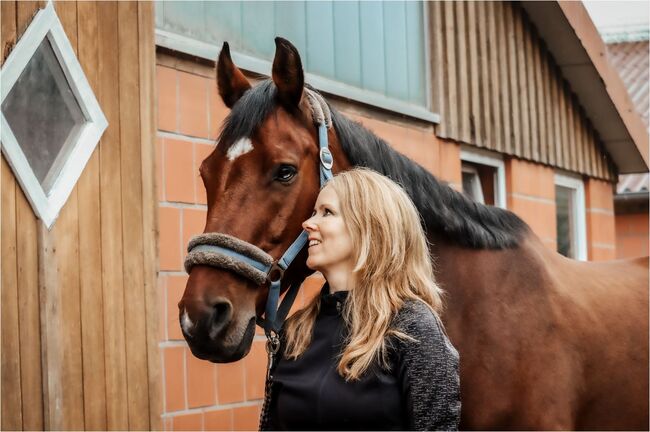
339,280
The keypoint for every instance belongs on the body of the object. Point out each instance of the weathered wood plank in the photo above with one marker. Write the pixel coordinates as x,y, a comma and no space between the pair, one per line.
65,237
110,205
10,373
131,181
501,16
29,312
579,140
90,256
149,206
566,109
539,152
473,29
25,11
11,411
523,114
531,47
462,74
7,29
492,80
451,90
573,161
437,42
513,75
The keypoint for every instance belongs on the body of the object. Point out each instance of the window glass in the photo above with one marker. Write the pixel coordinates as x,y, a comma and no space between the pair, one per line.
43,114
565,221
479,182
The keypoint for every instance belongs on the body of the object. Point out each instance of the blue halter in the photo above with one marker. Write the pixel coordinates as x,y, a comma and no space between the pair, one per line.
274,316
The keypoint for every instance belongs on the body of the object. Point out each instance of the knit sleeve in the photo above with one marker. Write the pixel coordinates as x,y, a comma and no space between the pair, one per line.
428,370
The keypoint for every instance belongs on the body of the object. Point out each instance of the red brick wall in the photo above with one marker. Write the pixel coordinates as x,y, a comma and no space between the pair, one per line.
530,190
632,235
601,236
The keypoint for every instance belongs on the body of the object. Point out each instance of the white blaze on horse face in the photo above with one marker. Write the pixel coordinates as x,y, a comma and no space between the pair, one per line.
240,147
186,323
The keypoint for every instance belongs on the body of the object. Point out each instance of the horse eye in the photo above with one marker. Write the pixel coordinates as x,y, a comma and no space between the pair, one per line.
285,173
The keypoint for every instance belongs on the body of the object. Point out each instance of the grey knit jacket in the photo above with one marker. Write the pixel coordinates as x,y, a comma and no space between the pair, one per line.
432,367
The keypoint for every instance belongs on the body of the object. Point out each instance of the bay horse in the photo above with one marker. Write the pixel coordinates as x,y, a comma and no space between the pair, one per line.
545,342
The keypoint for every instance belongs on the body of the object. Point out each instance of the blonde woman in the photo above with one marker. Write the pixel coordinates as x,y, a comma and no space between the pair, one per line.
370,351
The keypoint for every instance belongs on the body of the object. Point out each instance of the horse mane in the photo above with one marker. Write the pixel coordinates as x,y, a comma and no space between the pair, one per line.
443,210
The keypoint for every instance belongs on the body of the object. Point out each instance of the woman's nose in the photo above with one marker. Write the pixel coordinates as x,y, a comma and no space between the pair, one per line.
309,225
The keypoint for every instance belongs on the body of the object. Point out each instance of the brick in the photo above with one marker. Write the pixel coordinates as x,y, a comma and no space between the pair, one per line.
255,367
449,163
188,422
201,152
169,220
162,305
160,158
218,111
632,246
201,381
601,254
167,100
174,379
175,290
179,173
168,424
635,223
246,418
219,420
193,223
193,105
530,179
599,194
230,382
539,215
601,228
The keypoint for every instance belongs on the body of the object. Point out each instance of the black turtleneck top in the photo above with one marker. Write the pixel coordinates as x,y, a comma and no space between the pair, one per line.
420,391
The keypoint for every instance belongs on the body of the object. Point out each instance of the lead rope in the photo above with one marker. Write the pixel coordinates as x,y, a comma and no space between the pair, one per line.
272,348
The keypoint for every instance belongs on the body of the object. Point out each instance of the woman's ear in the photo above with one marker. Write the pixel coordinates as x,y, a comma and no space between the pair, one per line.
231,81
287,72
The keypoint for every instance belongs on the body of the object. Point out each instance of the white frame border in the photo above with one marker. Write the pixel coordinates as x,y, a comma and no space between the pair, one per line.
580,225
46,24
484,157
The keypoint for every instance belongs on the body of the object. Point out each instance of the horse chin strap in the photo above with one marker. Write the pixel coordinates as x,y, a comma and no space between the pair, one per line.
247,260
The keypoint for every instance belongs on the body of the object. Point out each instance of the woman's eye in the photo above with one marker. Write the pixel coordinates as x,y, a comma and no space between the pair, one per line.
327,211
286,173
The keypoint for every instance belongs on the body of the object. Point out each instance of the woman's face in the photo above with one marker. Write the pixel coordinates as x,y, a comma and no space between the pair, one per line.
330,244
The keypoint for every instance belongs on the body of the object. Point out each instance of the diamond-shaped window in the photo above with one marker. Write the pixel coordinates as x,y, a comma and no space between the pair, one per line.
51,121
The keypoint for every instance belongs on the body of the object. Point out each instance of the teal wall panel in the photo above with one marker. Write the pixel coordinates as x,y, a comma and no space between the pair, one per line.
372,45
371,28
347,61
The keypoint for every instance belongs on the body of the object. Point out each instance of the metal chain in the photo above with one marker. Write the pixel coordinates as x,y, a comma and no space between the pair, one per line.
272,348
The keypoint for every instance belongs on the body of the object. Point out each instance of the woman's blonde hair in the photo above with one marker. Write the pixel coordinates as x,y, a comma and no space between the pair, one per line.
392,265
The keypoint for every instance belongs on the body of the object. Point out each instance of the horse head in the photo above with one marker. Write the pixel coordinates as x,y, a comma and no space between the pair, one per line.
261,180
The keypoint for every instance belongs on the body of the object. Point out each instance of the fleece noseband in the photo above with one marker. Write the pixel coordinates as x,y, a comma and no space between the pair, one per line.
230,253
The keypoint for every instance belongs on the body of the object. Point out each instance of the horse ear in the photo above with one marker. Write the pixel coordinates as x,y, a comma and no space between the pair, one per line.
231,81
287,72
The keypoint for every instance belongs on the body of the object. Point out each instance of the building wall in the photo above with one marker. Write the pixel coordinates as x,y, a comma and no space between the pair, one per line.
204,396
632,235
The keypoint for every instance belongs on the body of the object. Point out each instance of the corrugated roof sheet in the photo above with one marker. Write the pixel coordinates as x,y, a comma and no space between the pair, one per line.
632,60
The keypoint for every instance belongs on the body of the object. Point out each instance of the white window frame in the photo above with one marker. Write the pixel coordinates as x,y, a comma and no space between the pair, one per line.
575,182
47,206
484,157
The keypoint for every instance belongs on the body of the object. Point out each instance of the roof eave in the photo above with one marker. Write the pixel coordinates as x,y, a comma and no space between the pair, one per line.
580,52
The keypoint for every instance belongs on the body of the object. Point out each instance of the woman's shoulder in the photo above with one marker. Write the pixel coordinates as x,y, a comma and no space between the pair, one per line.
421,324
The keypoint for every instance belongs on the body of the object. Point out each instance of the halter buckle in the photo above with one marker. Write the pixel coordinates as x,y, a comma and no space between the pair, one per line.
326,158
275,273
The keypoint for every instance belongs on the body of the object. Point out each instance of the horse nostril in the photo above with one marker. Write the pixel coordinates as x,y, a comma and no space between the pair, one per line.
221,315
